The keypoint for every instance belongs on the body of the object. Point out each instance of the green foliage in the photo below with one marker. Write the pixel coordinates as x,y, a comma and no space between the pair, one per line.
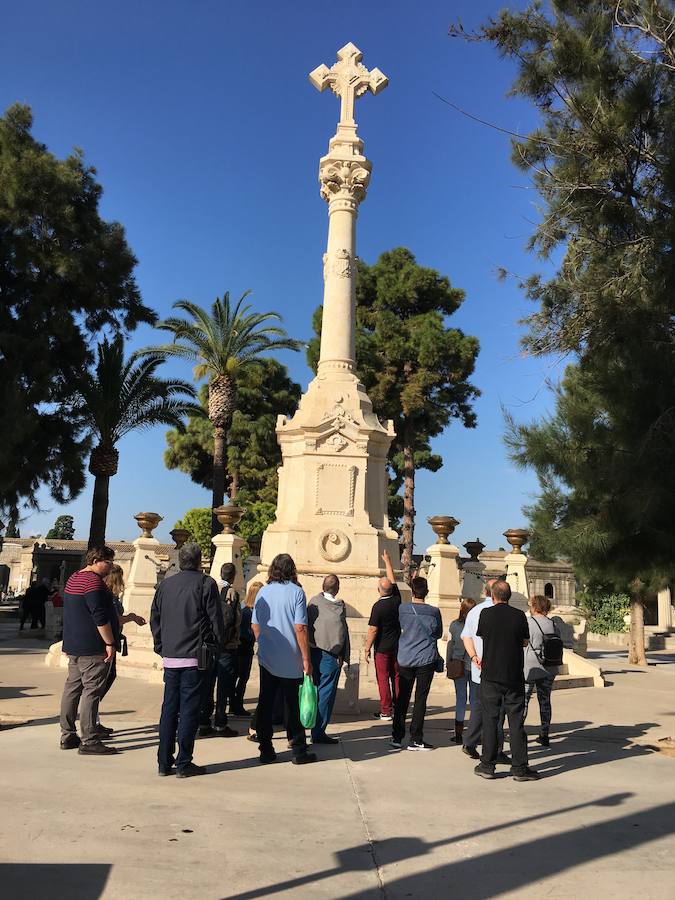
605,612
413,366
259,514
264,391
62,529
65,274
198,522
602,77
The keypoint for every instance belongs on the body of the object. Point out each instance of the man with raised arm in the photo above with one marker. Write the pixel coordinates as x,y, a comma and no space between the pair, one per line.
384,630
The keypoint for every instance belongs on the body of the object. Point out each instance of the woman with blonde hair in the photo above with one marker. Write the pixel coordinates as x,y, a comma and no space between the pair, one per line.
540,625
245,651
458,666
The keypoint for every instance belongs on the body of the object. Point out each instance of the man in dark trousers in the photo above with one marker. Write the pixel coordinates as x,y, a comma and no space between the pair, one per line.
185,613
505,634
223,676
384,630
90,633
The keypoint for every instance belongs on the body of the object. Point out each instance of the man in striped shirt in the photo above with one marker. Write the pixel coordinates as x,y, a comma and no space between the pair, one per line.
90,633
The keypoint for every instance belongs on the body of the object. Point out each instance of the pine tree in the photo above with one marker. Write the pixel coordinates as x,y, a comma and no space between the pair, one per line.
62,529
602,77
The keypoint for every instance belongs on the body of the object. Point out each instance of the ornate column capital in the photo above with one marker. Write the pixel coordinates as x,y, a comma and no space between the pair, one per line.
344,182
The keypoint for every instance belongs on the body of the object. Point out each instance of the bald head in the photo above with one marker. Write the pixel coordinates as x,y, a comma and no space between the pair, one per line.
488,586
384,587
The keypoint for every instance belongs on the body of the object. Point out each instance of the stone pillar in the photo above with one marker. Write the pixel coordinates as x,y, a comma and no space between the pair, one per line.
665,609
227,545
443,572
516,568
140,589
473,580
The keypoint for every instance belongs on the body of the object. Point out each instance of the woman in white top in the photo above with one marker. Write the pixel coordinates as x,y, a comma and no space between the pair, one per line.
540,624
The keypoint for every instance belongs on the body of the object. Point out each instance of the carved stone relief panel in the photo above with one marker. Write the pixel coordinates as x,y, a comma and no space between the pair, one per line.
335,489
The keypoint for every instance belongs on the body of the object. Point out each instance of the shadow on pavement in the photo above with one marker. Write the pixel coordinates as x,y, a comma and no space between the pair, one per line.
29,881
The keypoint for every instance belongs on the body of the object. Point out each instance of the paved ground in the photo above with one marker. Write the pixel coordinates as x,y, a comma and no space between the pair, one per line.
363,823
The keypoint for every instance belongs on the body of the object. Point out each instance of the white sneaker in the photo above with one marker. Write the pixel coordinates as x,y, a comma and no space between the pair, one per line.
423,746
386,718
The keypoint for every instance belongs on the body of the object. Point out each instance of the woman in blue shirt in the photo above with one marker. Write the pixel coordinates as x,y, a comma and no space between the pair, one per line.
421,626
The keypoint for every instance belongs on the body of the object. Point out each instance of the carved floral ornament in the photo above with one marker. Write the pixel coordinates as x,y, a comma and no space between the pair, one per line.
343,180
338,263
339,416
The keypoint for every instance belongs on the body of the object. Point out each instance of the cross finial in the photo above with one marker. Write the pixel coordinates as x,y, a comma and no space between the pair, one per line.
349,79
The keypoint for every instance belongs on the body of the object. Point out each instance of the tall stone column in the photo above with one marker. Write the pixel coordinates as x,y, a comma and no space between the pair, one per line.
665,609
332,502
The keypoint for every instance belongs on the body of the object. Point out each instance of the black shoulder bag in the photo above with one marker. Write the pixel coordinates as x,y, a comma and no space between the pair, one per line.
207,653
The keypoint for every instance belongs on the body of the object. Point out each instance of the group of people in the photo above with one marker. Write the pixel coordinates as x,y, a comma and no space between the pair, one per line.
206,638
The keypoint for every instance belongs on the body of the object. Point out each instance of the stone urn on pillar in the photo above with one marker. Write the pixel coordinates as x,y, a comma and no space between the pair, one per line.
516,567
443,571
227,545
179,536
473,570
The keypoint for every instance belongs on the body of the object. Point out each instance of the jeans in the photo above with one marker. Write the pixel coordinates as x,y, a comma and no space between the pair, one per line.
180,715
474,733
421,676
326,669
224,674
269,684
386,671
510,698
463,686
84,687
544,689
244,663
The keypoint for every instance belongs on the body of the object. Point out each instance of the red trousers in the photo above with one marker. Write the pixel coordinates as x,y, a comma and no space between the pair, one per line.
386,670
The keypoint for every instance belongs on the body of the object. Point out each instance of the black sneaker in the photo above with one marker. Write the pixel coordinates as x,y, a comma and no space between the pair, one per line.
471,751
190,771
325,739
102,732
484,771
225,731
96,748
72,742
543,740
304,759
266,757
161,770
503,759
528,775
205,731
420,745
240,713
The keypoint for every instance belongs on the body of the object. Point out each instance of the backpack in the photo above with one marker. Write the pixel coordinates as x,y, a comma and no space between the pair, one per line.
230,604
551,653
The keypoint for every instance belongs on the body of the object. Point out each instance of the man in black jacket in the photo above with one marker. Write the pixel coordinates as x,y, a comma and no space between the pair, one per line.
185,611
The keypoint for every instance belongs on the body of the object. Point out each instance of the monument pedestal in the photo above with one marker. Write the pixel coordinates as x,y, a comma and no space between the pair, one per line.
228,550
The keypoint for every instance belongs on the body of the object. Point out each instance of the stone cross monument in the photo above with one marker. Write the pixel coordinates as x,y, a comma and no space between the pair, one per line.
332,504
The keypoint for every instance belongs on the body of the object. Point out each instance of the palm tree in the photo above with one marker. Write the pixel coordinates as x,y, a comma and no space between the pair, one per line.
120,396
220,342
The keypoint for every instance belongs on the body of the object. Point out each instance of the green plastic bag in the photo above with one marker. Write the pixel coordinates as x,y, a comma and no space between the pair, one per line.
307,695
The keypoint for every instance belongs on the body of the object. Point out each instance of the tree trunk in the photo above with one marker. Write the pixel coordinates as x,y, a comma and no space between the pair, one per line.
99,511
636,642
408,500
218,493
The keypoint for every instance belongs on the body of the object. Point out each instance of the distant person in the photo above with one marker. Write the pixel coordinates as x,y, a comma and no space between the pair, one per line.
245,652
540,625
280,627
384,630
114,581
473,644
505,633
185,613
455,654
330,648
33,605
223,675
89,638
421,627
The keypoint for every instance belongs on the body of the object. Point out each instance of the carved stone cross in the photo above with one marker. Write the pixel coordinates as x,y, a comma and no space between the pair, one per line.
348,79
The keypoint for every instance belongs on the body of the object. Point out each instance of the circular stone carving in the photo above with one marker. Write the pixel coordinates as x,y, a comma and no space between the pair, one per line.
334,545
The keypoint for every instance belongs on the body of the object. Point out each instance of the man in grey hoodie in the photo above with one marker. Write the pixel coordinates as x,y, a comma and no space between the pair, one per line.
329,646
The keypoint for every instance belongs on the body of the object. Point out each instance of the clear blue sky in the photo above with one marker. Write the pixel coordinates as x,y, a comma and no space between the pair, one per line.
206,135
